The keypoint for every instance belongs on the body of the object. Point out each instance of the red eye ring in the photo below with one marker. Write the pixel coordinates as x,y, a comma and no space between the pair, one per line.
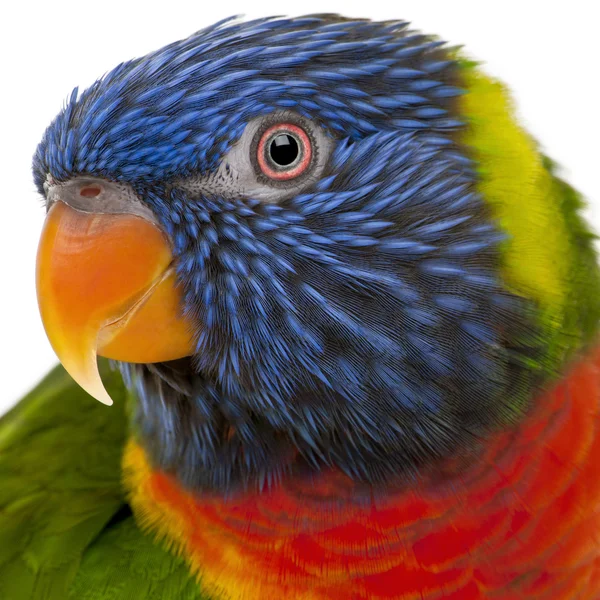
297,167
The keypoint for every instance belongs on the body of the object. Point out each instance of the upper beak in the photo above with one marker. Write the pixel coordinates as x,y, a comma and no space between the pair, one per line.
106,286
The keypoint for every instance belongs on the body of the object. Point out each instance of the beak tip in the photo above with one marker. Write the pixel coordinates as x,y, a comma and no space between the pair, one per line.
106,401
86,375
98,391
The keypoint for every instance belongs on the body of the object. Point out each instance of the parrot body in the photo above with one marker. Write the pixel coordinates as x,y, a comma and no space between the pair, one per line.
356,315
522,522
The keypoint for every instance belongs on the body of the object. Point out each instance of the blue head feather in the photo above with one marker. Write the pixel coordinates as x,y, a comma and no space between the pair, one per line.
361,323
177,110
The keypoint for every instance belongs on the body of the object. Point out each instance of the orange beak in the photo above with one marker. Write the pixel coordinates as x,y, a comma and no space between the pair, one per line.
106,287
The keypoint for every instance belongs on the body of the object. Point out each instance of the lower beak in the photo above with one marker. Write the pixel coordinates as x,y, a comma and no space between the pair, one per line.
106,287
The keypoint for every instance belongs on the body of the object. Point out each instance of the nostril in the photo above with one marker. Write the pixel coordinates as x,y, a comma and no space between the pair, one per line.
90,191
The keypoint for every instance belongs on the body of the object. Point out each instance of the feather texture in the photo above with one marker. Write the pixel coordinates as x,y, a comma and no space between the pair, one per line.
395,390
522,522
65,529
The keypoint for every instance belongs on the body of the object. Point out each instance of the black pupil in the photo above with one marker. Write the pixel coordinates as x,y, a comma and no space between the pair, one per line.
284,149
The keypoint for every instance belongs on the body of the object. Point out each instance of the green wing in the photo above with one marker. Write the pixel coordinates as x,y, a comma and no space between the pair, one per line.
65,528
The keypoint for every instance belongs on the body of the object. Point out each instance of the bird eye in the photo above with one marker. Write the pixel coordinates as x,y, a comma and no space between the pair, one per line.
284,152
277,156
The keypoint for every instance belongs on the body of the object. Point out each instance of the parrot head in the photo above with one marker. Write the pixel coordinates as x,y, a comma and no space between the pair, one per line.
281,231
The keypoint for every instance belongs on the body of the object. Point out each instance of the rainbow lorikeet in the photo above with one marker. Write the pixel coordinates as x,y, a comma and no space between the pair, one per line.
352,315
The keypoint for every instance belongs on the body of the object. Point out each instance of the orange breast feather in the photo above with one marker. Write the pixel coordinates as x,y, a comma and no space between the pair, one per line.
522,521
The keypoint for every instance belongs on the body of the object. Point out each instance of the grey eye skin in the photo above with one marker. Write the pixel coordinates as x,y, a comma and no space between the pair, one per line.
240,175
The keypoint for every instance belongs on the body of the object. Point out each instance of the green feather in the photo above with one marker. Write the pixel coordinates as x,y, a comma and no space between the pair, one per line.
549,255
124,562
65,529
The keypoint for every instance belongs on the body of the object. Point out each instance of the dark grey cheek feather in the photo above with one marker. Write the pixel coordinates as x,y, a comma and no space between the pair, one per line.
361,324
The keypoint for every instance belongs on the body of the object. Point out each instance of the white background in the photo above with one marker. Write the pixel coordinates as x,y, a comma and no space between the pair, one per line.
545,51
